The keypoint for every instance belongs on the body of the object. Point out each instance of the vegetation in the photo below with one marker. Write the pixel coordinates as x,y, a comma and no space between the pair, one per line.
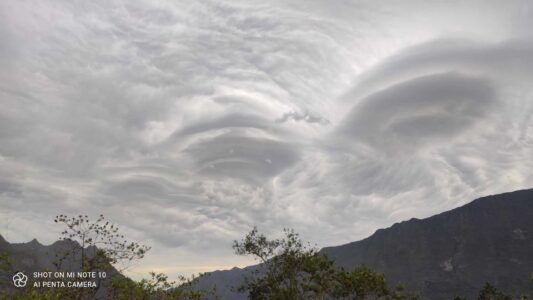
489,292
98,246
156,287
100,243
288,270
5,261
292,271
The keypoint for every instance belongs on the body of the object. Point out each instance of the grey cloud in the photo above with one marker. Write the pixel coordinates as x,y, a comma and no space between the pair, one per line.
143,189
306,117
188,123
426,129
227,122
10,188
192,216
514,57
421,110
243,157
98,87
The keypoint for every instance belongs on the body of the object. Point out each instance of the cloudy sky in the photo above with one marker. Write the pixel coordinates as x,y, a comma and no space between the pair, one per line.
189,122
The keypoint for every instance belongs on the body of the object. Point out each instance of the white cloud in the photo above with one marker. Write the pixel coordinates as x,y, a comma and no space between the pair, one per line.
188,123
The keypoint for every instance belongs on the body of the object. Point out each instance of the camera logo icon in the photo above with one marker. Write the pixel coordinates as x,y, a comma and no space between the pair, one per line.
20,280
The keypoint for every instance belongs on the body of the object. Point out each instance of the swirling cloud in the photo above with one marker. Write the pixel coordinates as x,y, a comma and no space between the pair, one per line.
421,110
189,123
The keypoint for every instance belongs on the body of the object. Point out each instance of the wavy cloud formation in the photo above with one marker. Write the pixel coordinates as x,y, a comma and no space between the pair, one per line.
419,110
189,123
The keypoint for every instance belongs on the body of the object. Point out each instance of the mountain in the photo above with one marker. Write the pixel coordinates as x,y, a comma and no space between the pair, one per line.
456,252
450,254
34,257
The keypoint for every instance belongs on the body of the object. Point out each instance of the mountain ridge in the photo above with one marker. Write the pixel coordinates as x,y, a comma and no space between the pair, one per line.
453,253
488,239
449,254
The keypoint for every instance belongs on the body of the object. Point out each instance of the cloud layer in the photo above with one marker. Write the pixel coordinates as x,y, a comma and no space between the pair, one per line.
189,123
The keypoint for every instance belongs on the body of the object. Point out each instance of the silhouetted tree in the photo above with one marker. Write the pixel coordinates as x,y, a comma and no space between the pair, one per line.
157,287
97,245
489,292
289,270
100,242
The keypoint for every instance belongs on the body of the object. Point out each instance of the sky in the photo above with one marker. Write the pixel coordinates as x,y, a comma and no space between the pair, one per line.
189,122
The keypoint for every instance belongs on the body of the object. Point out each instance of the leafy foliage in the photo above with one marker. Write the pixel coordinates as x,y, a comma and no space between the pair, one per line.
292,271
156,287
6,263
100,236
489,292
289,270
96,246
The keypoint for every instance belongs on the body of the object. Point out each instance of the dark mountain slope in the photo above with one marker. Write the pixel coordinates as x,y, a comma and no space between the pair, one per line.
456,252
34,257
453,253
